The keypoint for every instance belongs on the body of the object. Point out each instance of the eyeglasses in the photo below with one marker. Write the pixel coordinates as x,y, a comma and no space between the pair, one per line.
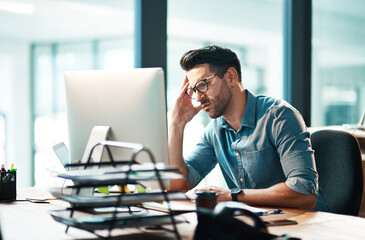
201,86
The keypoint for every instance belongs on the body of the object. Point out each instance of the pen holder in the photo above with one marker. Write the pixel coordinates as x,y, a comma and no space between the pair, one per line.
8,185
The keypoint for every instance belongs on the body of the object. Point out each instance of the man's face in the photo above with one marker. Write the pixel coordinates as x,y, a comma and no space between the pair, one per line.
216,99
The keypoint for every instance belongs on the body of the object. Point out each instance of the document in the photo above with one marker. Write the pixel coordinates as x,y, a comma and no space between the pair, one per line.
175,206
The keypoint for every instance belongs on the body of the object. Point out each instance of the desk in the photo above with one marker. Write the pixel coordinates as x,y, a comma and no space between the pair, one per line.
25,220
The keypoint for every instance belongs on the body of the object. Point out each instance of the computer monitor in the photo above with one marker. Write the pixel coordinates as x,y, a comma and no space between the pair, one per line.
132,102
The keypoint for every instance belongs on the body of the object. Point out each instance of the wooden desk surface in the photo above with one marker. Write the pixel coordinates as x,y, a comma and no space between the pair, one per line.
320,225
26,220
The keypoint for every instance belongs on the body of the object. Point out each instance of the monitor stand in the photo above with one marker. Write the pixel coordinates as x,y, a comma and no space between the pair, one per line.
98,134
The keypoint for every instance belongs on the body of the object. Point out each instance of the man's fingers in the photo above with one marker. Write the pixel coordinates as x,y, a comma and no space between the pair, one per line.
183,89
186,81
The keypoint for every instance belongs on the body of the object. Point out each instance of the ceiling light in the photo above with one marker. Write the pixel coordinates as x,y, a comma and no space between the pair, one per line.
20,8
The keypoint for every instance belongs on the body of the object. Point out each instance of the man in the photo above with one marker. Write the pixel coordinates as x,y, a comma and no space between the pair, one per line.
260,143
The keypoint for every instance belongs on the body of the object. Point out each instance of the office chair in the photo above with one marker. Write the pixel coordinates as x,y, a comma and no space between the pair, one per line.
339,167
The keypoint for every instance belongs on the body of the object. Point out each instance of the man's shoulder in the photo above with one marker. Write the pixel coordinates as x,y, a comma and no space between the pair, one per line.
267,104
275,108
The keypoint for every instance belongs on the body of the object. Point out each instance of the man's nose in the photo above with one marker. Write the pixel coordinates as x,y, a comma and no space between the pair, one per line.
199,96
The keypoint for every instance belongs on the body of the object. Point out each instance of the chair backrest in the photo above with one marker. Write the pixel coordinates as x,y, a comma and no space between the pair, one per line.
339,166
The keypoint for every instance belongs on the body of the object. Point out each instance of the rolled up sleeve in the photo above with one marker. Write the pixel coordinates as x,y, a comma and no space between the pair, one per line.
201,161
300,172
193,176
295,151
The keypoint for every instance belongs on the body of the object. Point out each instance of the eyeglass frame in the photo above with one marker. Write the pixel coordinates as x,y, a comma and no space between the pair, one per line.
196,89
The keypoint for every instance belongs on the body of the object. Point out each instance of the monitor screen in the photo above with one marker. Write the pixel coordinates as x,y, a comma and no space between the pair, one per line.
132,102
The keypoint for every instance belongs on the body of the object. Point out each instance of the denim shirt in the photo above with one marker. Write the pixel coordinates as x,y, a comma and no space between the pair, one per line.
271,146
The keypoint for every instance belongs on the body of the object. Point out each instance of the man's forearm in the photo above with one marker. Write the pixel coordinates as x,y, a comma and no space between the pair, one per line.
176,156
278,195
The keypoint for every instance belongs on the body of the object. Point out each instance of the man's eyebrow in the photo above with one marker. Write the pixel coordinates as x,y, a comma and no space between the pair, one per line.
203,79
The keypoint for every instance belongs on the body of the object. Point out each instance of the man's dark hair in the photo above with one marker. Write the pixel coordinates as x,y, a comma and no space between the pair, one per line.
218,58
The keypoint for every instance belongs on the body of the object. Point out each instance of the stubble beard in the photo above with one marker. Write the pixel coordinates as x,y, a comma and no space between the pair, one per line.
220,102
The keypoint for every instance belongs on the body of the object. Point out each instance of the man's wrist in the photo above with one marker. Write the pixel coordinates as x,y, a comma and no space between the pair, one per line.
234,193
177,126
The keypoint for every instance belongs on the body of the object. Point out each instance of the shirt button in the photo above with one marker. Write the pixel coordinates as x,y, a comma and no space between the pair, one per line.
237,154
241,179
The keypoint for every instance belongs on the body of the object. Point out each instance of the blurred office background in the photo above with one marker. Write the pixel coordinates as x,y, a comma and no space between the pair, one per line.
40,39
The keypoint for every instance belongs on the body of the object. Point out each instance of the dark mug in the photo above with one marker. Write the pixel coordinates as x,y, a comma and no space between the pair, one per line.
206,199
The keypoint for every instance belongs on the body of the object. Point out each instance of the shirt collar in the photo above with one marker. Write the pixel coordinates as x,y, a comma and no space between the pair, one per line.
249,115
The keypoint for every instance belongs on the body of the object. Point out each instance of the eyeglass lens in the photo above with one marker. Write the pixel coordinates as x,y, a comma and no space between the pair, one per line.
200,86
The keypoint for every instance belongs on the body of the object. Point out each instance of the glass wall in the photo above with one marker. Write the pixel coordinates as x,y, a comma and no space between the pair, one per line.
40,41
338,62
253,29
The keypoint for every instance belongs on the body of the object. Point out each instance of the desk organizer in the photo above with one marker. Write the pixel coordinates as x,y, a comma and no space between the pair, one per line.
122,173
8,185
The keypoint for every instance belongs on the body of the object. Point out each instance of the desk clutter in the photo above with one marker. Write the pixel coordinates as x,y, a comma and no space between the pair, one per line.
88,209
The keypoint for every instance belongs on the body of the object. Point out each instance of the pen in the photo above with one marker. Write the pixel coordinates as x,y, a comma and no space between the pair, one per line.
3,175
276,211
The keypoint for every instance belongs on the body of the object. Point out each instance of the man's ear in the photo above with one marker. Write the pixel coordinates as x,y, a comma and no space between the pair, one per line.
232,76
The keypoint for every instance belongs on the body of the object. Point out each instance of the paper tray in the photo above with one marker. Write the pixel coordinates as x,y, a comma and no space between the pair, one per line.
126,199
118,178
144,167
96,222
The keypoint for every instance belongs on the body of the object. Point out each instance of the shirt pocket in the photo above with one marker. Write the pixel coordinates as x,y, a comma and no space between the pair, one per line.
264,168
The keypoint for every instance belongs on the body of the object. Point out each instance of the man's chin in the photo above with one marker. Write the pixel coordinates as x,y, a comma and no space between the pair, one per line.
213,115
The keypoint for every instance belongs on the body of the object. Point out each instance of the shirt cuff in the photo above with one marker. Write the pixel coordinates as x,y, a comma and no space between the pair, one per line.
303,186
